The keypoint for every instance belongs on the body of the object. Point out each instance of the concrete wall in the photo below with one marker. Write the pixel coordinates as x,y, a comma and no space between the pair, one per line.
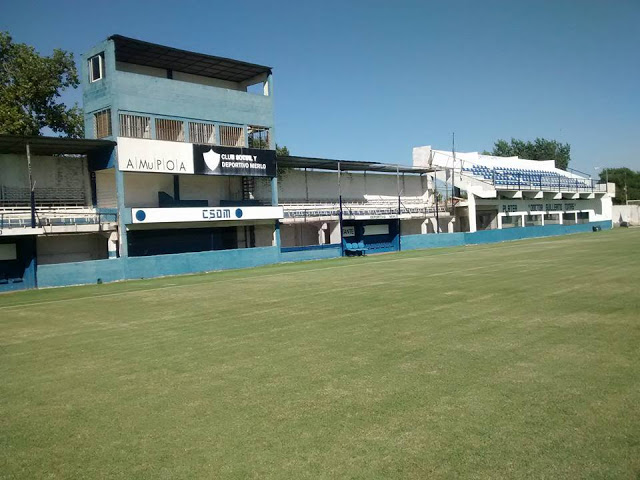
71,248
293,186
147,267
141,189
299,234
301,254
106,189
626,213
47,172
161,265
411,242
411,227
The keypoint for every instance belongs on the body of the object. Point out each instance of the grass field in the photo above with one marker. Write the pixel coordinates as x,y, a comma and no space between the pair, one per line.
515,360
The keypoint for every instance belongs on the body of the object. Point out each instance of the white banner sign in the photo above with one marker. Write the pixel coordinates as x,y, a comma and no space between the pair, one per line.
376,229
154,156
204,214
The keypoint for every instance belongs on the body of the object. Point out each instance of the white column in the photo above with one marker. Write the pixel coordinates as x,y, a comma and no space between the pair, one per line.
499,221
471,201
112,245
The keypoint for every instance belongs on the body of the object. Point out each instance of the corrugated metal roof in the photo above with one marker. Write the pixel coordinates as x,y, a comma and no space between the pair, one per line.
131,50
347,165
40,145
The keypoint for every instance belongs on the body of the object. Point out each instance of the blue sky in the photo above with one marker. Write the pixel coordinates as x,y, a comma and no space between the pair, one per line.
370,80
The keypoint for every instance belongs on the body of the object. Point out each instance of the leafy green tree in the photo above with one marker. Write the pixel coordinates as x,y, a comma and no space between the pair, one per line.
282,151
539,149
623,177
30,88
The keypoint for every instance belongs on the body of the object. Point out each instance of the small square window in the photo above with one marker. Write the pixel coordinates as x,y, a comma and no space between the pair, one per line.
96,67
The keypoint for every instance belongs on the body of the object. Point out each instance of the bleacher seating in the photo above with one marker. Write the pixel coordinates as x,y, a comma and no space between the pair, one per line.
527,179
355,248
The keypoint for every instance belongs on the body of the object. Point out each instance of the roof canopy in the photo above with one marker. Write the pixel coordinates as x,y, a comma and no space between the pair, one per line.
52,145
348,165
153,55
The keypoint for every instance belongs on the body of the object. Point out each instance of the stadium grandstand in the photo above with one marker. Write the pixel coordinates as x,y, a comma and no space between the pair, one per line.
506,192
178,174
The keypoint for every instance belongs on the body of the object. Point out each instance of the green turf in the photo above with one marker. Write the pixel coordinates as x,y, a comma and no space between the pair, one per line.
515,360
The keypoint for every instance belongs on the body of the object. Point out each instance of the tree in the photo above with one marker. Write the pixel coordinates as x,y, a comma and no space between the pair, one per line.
282,151
623,177
540,149
30,88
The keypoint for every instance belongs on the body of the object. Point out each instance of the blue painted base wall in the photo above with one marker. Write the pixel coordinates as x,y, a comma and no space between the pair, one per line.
177,264
411,242
112,270
316,252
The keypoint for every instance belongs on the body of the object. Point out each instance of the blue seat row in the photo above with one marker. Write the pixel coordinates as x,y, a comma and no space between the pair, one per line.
356,248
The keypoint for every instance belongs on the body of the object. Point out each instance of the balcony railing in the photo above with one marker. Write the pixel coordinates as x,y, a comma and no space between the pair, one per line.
21,218
382,209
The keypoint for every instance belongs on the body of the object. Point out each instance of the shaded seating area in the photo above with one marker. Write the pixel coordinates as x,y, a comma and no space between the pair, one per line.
528,179
354,248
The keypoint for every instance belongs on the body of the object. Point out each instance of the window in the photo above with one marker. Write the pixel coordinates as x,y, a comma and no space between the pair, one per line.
135,126
96,67
172,130
231,136
102,123
258,137
582,217
202,133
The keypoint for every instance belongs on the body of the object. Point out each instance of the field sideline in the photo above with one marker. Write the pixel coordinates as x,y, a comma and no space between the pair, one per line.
513,360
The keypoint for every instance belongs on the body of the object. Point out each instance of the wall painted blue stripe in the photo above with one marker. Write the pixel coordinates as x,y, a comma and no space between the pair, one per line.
505,235
176,264
432,240
125,268
300,254
329,246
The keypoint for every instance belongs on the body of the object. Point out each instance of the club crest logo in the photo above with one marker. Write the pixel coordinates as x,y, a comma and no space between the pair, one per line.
211,159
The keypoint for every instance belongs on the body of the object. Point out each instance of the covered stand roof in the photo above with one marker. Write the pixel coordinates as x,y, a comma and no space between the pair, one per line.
52,145
348,165
135,51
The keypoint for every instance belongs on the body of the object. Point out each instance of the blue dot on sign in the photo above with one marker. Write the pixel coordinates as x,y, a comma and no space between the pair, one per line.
140,215
239,212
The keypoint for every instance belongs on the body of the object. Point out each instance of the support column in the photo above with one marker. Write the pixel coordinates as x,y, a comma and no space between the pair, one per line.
499,222
274,203
122,228
471,202
450,226
112,245
523,220
32,194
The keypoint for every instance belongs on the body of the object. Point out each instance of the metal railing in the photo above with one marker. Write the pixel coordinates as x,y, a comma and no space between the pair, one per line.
504,180
355,209
18,218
